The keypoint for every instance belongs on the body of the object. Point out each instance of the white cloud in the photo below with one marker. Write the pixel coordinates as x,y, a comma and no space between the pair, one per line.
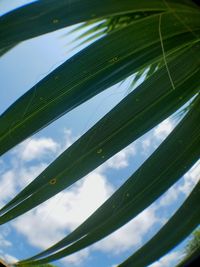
152,139
8,258
19,173
163,129
121,159
190,179
130,235
3,242
69,139
16,178
63,212
26,174
7,186
168,260
188,182
52,220
169,197
35,148
68,209
146,143
76,258
2,166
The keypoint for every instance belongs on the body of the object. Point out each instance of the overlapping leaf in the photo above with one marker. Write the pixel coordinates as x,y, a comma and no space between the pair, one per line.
132,117
175,156
185,220
116,56
166,39
45,16
100,27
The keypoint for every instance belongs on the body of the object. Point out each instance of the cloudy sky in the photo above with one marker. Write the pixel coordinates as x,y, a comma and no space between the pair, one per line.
20,69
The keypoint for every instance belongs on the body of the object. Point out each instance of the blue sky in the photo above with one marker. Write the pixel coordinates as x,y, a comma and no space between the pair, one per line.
20,69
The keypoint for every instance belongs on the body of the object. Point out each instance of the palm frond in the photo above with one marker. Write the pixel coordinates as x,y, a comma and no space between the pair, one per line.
140,190
124,124
117,56
158,41
43,16
171,234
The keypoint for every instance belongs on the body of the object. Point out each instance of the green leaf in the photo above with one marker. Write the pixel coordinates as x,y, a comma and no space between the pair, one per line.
99,28
175,156
132,117
182,223
84,75
46,16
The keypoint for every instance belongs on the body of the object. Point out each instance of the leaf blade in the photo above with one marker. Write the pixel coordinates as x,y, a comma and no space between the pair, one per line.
83,76
45,16
166,238
125,123
141,187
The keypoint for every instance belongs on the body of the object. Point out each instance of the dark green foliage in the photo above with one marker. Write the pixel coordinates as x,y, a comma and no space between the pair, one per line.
158,40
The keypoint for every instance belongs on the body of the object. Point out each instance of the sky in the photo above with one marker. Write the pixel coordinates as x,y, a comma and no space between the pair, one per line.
20,69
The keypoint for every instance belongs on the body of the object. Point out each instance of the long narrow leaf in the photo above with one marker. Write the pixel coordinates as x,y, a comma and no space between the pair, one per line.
132,117
45,16
149,182
116,57
184,221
